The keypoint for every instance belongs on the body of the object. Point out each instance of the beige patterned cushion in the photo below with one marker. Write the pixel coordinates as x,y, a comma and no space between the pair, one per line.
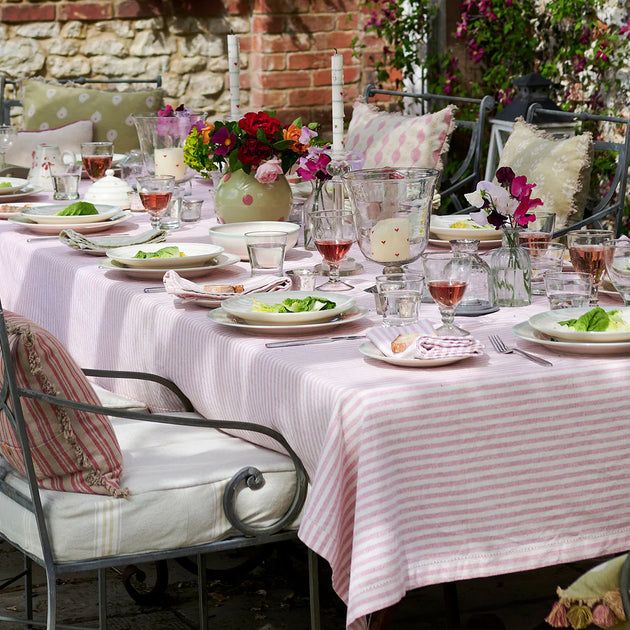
561,169
393,139
47,105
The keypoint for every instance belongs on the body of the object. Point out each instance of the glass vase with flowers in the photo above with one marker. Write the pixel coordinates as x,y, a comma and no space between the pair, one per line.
507,206
255,153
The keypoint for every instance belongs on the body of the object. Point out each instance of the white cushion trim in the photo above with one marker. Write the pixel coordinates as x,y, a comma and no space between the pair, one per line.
176,476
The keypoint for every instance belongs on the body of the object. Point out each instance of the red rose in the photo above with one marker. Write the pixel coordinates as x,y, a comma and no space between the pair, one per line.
253,152
259,120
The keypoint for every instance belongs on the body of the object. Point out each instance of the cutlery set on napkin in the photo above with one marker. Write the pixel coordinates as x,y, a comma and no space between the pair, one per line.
101,243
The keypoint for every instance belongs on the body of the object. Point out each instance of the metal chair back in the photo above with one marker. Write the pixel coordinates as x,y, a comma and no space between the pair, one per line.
611,206
469,172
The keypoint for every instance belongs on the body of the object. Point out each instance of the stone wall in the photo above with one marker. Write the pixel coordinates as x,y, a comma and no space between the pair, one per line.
286,47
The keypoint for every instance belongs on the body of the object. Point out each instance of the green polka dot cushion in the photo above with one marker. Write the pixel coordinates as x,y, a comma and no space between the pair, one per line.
48,105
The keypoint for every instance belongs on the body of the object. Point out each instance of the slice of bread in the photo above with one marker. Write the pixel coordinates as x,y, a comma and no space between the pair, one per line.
223,288
402,342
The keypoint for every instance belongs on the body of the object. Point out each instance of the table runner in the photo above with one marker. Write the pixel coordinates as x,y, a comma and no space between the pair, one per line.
419,476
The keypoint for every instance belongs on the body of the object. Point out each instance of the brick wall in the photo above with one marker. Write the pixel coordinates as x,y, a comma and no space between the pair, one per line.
286,48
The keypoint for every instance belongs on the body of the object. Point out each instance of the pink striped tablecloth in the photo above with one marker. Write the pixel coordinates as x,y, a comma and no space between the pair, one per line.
419,476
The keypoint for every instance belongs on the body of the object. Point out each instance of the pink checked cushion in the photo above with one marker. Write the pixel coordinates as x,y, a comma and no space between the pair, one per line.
397,140
73,451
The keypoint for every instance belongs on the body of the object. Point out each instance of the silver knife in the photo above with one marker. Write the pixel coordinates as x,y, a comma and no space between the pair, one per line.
306,342
154,289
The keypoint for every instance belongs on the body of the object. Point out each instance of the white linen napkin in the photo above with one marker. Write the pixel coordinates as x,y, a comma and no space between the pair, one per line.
427,346
187,290
98,243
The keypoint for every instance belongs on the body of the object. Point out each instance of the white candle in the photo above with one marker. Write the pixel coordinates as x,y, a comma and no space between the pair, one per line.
337,102
389,240
234,64
170,161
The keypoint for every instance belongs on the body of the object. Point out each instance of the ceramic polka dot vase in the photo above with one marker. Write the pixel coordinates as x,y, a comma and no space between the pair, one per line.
240,197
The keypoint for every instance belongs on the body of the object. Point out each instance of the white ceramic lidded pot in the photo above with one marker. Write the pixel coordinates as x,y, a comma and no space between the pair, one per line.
109,190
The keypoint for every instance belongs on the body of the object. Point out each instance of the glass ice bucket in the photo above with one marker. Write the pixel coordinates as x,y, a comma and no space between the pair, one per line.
392,208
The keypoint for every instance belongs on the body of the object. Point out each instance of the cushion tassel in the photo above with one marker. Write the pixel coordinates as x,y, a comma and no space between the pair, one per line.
558,616
604,617
579,617
612,599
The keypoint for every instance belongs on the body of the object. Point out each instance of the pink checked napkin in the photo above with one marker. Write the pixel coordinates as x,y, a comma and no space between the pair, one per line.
428,346
187,290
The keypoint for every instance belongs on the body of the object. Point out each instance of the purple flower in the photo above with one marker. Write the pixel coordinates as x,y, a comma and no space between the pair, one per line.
312,164
225,141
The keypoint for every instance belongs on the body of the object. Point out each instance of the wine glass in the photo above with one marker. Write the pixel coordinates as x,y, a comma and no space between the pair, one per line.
586,250
155,193
97,158
446,274
617,259
539,232
333,233
8,136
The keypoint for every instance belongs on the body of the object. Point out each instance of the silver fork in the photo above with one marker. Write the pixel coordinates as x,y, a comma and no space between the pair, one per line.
499,345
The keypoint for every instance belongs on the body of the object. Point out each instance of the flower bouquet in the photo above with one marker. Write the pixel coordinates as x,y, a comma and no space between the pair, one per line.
507,206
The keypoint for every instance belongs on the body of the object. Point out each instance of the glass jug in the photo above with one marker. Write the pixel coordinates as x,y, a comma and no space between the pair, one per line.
480,295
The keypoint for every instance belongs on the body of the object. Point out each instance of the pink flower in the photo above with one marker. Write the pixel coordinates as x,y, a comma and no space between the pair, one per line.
268,171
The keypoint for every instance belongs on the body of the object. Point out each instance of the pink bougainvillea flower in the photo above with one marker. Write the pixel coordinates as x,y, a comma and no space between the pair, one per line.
268,171
224,139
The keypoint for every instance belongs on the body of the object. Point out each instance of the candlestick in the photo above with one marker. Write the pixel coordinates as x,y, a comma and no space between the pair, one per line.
337,102
234,76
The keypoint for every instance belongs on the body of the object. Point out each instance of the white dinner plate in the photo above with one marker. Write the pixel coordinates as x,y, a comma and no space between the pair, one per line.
368,349
215,300
223,260
525,331
27,191
82,228
47,214
440,227
241,306
17,184
197,255
16,208
220,316
486,244
547,323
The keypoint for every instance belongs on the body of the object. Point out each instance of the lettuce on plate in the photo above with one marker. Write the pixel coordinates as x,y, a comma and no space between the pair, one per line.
78,208
172,251
294,305
598,320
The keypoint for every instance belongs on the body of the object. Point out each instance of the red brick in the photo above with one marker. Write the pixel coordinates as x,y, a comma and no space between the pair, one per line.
277,43
136,9
269,61
338,40
232,7
84,11
28,13
334,6
312,96
348,21
270,80
267,7
311,23
303,60
268,24
271,99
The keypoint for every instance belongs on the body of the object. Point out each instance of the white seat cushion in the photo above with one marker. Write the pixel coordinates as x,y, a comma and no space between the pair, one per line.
176,477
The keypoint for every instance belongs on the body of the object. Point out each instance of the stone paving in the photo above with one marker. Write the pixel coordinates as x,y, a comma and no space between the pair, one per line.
274,596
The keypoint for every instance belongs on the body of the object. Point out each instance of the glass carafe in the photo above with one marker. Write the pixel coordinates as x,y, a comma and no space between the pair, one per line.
480,295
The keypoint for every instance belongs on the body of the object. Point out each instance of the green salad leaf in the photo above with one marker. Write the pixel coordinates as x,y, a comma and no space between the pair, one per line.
294,305
6,185
171,251
597,320
78,208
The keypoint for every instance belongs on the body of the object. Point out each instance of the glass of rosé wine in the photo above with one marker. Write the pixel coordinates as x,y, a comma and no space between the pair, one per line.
586,251
97,158
155,194
333,234
539,232
446,275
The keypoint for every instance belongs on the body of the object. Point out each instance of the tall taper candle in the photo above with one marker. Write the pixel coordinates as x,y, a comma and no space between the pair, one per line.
337,103
235,76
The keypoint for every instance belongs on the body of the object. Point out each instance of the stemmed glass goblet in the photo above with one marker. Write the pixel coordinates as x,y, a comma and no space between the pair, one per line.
155,194
586,250
97,158
333,234
617,259
446,275
8,135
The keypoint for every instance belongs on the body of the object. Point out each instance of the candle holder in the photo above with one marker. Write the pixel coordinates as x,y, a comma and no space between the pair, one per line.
392,208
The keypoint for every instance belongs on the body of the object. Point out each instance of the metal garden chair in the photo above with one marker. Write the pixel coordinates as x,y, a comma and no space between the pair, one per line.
21,495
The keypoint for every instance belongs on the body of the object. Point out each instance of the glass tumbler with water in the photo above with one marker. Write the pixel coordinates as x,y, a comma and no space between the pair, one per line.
398,298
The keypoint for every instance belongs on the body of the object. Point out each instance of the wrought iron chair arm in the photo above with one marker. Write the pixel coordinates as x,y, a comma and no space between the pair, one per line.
143,376
251,476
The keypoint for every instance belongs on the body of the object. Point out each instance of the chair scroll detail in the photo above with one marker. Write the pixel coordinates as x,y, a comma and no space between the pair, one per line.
465,178
248,476
612,204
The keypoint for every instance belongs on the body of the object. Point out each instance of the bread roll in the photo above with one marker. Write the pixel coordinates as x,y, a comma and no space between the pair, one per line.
402,342
223,288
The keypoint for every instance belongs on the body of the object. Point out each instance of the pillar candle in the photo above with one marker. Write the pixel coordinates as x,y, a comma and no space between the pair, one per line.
389,240
235,76
337,103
